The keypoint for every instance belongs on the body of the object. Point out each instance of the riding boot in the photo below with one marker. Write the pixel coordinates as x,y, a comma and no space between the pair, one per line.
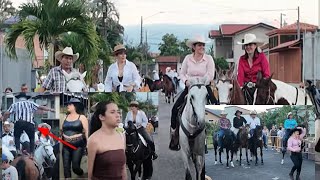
291,176
298,176
174,142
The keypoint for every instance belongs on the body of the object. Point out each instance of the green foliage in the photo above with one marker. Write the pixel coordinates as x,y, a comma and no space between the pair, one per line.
211,50
6,10
221,63
184,49
148,108
170,45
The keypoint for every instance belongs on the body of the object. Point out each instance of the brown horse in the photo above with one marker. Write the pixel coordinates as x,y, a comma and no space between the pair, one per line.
169,89
228,88
243,141
26,168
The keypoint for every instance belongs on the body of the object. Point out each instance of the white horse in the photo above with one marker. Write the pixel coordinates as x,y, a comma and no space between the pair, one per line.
192,125
224,85
44,151
75,81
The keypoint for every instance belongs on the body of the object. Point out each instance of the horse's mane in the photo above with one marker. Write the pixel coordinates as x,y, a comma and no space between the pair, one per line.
236,93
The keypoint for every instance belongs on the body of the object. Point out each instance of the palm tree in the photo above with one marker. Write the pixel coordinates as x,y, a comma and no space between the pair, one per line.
50,20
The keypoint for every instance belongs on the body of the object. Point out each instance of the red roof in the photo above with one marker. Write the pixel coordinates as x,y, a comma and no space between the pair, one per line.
292,28
285,45
168,59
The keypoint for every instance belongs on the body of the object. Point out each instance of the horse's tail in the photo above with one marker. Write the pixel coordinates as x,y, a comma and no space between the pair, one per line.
20,166
147,168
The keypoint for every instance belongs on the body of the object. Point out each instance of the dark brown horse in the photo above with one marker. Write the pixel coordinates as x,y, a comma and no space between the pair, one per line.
26,168
256,142
153,85
243,141
169,89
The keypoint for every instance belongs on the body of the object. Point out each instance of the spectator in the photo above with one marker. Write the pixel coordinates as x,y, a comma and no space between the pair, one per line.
24,88
9,172
273,134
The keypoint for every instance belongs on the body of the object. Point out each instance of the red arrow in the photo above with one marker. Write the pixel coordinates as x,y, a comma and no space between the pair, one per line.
46,132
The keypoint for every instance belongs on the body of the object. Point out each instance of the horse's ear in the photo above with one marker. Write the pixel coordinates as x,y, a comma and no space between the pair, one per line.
271,76
83,75
231,71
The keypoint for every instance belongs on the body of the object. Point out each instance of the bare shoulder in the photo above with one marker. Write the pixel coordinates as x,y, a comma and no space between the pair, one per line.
93,139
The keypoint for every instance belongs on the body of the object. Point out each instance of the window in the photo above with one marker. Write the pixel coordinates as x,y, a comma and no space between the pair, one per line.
273,42
287,38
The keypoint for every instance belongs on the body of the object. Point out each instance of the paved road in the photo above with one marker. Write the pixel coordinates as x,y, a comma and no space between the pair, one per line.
271,170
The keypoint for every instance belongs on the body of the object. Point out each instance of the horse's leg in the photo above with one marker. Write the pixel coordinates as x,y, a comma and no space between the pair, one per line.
186,162
220,157
240,148
261,154
199,165
246,149
256,154
131,166
231,162
215,154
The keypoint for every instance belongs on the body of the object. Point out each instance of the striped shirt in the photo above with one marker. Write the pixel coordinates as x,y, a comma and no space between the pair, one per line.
23,110
55,81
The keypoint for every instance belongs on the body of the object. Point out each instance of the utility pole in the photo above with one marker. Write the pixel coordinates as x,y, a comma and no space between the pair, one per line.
298,23
141,31
280,20
319,14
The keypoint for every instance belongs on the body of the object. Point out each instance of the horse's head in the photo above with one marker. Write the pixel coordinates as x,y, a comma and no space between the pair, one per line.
197,99
45,150
224,85
75,81
265,90
132,137
258,131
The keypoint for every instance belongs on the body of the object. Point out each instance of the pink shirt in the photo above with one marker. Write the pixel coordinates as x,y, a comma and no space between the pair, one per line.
294,144
192,68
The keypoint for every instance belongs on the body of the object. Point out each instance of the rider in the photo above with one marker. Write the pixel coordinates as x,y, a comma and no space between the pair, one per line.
253,122
289,124
139,118
55,80
8,139
197,64
238,122
170,73
224,125
123,74
41,137
250,64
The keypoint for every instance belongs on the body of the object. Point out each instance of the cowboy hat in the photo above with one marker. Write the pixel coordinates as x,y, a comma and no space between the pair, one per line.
196,39
8,123
44,125
237,112
118,48
253,112
251,38
223,113
289,113
66,51
22,95
294,130
74,100
134,103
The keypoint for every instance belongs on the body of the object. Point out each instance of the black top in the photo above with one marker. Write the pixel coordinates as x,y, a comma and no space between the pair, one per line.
237,123
71,128
120,78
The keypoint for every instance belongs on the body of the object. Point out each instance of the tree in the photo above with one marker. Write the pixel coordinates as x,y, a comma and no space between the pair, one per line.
211,51
170,45
184,49
221,63
6,10
52,19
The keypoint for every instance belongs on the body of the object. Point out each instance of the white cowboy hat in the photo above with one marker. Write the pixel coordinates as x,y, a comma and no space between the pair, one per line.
44,125
154,71
9,124
251,38
66,51
253,112
196,39
290,113
223,113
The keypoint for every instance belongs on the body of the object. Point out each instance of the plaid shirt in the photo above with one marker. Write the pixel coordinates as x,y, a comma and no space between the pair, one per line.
224,123
55,81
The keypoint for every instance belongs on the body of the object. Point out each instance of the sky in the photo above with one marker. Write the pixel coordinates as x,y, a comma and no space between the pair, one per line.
212,11
258,108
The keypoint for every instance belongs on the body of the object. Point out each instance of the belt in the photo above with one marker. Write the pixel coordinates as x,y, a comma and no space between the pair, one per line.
250,84
72,139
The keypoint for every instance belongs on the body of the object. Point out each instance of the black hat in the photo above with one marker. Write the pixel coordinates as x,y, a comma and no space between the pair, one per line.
237,112
294,130
74,101
22,94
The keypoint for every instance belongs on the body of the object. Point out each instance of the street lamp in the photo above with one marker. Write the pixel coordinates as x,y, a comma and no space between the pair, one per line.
141,30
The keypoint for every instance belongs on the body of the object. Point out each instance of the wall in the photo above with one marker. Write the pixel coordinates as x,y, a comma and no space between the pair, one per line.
311,56
210,116
221,49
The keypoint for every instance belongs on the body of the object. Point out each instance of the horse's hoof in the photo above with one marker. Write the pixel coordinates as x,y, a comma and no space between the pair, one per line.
256,164
215,163
228,167
261,163
282,161
248,164
232,165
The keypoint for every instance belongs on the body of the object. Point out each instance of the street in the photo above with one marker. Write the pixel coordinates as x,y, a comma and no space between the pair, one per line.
271,170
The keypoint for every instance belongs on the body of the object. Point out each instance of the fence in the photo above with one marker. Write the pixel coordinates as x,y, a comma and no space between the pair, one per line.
311,57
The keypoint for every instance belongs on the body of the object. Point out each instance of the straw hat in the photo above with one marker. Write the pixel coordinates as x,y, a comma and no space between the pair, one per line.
134,103
196,39
118,48
251,38
253,113
66,51
44,125
223,113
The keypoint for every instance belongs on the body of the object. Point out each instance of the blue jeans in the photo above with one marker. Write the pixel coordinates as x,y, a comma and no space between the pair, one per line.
221,134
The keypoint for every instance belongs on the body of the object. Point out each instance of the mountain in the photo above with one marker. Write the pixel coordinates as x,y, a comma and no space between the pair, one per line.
156,31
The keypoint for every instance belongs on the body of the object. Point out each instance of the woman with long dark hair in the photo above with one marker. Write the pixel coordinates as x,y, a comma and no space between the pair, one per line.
75,132
252,62
295,146
106,160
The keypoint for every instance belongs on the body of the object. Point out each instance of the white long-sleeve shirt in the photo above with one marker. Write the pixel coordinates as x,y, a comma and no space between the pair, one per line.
253,122
141,119
6,138
130,76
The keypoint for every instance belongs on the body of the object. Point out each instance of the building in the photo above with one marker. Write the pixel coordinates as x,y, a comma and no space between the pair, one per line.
226,38
212,115
162,62
285,52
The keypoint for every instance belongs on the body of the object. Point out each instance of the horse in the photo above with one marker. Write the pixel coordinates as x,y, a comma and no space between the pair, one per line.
169,88
243,142
75,81
228,144
314,93
29,169
192,125
153,85
229,91
137,153
215,147
274,92
256,142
